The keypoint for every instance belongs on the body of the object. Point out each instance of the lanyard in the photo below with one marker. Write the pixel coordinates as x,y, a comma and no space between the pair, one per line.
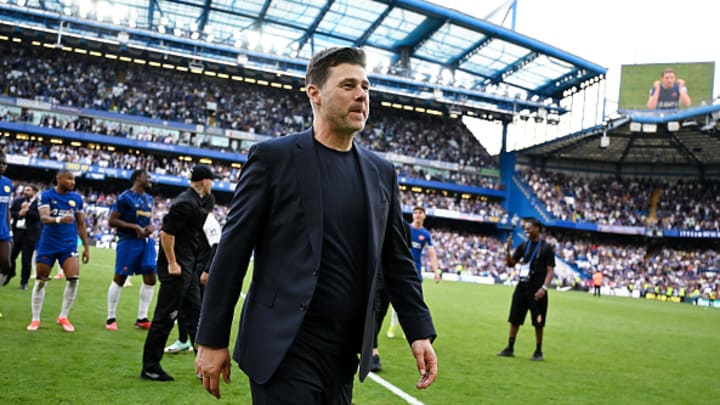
527,249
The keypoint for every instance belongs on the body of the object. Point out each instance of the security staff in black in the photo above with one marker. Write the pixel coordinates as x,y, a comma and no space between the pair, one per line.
180,239
537,264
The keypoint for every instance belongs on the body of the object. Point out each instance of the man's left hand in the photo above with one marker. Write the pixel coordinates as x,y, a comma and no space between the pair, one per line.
426,362
540,293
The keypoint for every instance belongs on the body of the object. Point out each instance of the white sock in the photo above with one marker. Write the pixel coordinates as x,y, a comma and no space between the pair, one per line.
113,298
393,318
68,297
38,296
146,295
3,277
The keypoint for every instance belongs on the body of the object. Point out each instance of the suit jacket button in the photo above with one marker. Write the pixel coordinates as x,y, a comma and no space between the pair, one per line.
315,272
302,307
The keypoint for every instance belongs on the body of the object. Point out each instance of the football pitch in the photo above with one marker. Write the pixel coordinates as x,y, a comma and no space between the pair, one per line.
597,350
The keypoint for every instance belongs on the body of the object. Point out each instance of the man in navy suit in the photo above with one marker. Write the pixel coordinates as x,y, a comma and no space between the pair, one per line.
323,217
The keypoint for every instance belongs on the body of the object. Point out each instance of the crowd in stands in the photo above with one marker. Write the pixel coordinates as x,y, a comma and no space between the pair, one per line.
625,265
188,139
171,166
128,88
470,254
84,124
447,176
476,205
602,200
635,266
690,204
682,204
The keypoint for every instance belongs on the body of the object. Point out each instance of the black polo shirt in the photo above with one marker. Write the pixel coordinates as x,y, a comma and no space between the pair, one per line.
184,220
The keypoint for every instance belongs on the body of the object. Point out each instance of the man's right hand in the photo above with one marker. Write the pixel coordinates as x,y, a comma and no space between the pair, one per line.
209,364
174,269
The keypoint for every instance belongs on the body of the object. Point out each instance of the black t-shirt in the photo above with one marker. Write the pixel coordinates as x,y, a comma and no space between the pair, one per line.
336,313
544,257
184,220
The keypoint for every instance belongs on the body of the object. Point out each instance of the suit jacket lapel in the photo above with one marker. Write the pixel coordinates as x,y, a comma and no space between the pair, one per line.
370,183
373,198
308,183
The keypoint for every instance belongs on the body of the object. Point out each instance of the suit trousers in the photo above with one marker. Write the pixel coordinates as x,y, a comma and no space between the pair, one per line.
177,295
26,246
309,375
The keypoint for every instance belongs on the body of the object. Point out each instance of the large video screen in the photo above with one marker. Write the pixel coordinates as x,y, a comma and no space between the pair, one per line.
666,85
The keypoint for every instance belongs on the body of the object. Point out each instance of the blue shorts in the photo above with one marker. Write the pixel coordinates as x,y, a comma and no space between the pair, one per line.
49,258
135,256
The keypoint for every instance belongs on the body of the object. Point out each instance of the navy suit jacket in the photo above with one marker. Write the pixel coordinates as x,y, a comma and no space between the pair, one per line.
32,219
277,212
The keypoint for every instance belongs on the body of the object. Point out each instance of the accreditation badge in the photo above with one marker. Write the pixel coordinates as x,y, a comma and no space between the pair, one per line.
524,272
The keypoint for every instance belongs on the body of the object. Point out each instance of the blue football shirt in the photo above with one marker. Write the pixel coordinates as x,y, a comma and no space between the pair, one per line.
135,209
5,191
420,238
56,238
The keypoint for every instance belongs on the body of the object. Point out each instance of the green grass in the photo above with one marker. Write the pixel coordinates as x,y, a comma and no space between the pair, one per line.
608,350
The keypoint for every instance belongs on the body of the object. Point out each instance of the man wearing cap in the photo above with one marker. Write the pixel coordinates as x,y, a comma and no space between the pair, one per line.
180,239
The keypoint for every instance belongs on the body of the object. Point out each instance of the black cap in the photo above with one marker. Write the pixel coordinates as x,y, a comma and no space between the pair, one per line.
202,172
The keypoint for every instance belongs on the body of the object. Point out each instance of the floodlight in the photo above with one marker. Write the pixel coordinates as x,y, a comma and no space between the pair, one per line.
123,37
604,141
649,128
635,126
673,126
194,65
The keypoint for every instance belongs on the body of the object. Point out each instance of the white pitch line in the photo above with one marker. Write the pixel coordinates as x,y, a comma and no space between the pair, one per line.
395,390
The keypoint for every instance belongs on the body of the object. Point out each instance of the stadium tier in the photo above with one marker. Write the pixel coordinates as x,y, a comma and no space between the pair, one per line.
63,109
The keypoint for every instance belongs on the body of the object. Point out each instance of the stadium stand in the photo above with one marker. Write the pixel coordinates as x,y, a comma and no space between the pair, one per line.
81,81
179,118
679,204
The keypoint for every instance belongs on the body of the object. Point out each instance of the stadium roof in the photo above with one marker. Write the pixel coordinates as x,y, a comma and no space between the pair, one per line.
674,138
416,49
